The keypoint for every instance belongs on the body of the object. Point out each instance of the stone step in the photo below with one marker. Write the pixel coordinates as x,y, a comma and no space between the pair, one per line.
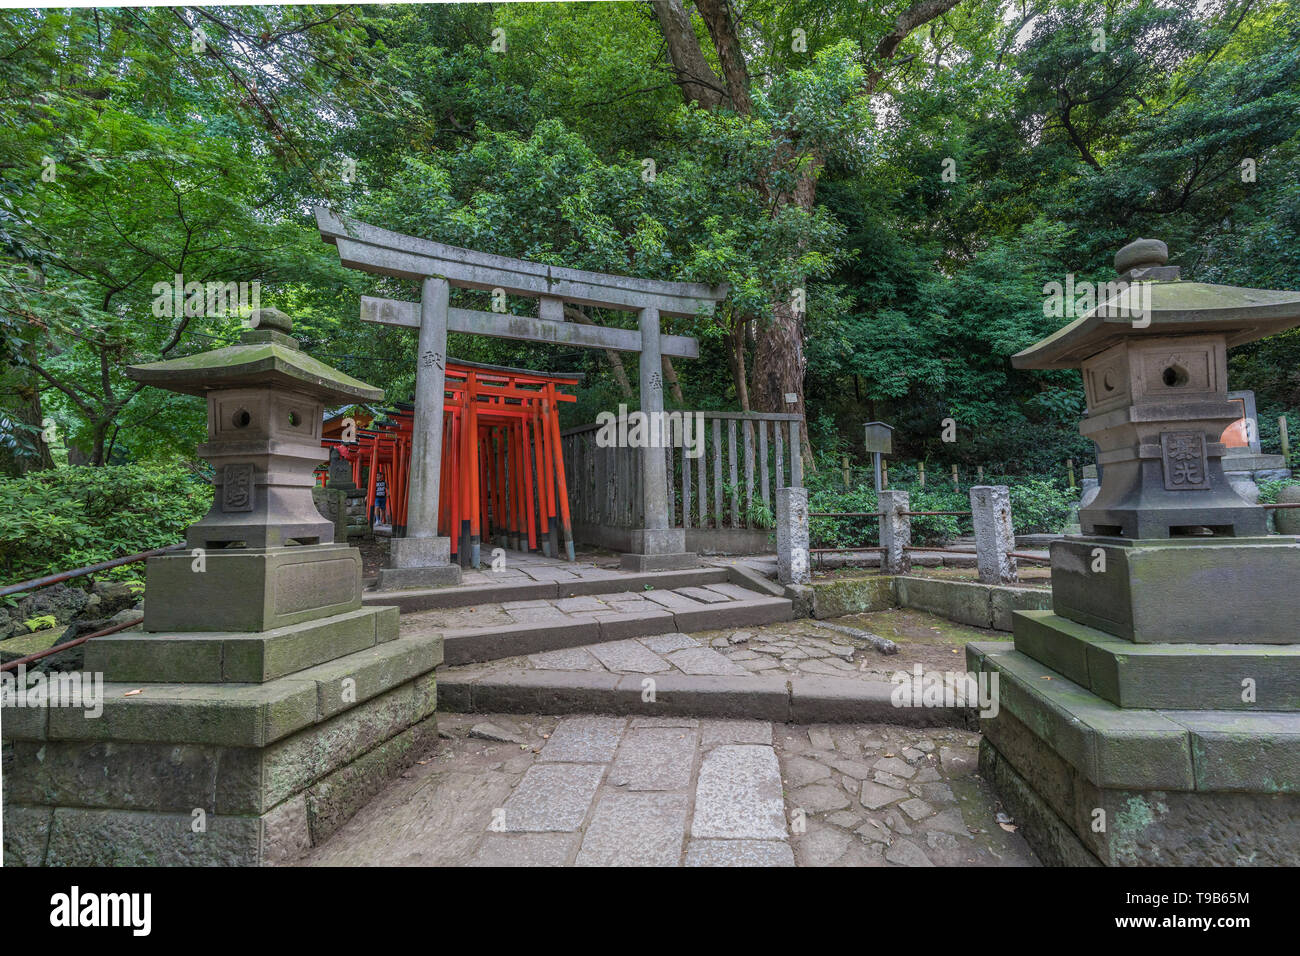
254,657
755,697
520,587
662,612
1164,676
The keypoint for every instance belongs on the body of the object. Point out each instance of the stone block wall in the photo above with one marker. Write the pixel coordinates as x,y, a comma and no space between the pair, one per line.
212,774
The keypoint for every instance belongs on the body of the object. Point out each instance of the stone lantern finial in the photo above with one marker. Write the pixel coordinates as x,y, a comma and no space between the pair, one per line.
1145,259
272,319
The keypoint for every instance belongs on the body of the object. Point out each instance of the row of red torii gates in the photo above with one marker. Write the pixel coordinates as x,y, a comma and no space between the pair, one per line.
502,472
422,557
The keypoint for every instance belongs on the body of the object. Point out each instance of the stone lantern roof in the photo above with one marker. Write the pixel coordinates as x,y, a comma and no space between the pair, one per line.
266,355
1172,306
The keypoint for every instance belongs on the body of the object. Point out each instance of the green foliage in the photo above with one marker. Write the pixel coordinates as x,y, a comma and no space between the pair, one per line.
1038,505
41,623
1269,490
129,156
1060,154
66,518
169,158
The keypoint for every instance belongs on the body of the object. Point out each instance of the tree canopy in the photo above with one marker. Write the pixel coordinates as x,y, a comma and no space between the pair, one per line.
886,187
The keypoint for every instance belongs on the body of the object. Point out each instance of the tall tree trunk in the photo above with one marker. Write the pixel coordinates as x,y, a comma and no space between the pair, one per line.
722,29
97,449
779,362
736,358
670,378
615,360
690,69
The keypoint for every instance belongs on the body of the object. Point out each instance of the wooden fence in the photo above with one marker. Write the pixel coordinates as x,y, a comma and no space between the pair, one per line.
724,497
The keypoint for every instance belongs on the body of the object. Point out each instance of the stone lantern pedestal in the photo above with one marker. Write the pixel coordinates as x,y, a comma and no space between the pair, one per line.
1152,717
261,703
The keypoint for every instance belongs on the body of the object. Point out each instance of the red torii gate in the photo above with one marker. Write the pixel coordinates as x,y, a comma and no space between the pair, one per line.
502,470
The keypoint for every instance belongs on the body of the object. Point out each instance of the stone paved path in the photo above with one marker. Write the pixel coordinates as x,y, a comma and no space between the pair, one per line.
654,791
584,607
798,648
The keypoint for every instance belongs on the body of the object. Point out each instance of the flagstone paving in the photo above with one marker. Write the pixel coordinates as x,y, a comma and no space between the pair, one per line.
795,648
613,606
662,791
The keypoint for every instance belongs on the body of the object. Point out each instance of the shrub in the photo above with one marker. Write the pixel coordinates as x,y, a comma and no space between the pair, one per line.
1269,490
65,518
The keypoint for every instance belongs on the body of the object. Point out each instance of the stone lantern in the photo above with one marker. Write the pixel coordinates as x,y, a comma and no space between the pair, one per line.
264,535
1155,375
1152,716
261,694
1154,360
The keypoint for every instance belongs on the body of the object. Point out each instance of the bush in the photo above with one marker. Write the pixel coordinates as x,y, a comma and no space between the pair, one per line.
1269,490
65,518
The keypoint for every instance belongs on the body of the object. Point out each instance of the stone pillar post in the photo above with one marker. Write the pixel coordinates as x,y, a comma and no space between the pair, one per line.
430,385
422,559
895,532
657,546
792,559
995,538
654,479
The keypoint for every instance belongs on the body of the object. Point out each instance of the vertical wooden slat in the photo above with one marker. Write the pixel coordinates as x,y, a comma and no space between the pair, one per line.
796,457
580,471
620,495
597,482
588,476
572,471
747,432
670,478
632,468
687,480
780,455
611,481
626,486
733,470
702,465
717,472
594,467
762,462
637,471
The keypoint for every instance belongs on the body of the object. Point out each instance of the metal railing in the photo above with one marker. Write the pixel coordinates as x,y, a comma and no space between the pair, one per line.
47,580
36,583
845,514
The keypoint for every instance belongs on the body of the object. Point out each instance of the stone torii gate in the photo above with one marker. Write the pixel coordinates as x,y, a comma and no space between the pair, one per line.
422,558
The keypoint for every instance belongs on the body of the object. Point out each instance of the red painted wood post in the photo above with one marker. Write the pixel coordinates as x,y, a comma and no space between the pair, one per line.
561,483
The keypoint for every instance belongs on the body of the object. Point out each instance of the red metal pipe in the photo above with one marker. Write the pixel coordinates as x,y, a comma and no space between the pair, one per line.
12,665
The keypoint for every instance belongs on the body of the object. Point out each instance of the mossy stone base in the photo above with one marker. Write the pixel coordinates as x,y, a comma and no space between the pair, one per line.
1231,677
250,589
1138,786
87,836
274,768
239,657
968,602
1158,591
857,595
